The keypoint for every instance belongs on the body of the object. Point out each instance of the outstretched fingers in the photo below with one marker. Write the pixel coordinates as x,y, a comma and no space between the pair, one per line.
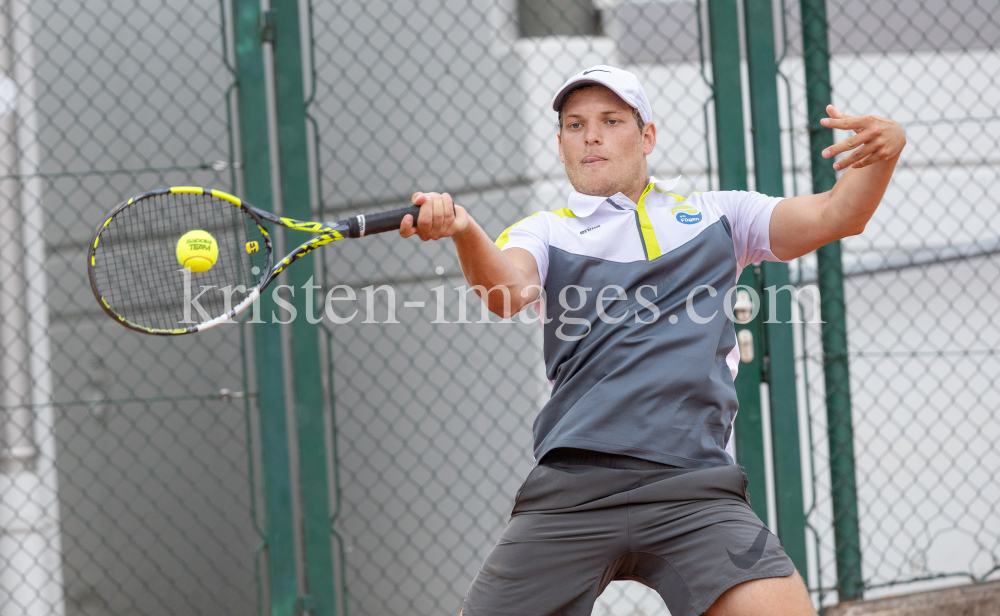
848,144
843,121
855,123
860,155
881,139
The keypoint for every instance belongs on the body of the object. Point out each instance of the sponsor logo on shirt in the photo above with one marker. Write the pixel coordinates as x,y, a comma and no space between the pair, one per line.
686,214
588,229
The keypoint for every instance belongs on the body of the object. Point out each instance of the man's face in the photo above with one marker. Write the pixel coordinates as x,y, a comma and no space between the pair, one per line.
601,144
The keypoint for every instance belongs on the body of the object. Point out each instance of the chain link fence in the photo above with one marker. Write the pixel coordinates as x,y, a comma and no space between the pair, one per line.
463,107
124,485
434,413
127,482
921,295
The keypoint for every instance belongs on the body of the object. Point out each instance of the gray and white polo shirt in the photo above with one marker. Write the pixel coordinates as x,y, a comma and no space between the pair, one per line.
637,340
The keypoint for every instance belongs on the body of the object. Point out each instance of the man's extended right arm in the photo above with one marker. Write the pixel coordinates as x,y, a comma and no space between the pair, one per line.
483,263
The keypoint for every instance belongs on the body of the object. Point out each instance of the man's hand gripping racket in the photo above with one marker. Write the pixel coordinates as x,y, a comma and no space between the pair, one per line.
152,274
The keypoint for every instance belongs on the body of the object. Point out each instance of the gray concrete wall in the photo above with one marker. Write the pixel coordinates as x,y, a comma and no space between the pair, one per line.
665,32
154,494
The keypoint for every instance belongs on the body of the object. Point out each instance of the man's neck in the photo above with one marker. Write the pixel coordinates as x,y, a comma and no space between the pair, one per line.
636,192
633,193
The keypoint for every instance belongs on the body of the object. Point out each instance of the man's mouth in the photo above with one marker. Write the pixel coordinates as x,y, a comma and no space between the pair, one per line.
592,160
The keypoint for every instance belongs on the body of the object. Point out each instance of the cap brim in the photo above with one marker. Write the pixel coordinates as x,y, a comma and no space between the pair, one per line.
562,95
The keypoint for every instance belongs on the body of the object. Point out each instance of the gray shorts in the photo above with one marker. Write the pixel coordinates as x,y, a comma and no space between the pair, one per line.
584,519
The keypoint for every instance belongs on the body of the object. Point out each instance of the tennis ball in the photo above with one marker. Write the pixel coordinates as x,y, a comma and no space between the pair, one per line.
197,250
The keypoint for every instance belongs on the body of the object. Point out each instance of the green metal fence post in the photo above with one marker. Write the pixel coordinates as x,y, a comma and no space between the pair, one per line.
255,152
723,24
749,431
723,27
768,171
834,329
295,195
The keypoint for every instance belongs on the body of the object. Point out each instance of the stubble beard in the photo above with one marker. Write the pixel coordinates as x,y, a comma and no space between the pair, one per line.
623,180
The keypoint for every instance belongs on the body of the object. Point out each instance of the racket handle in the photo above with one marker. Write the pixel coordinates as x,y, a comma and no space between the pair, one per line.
380,222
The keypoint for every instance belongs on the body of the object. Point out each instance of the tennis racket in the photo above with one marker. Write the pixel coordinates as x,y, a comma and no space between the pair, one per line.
137,277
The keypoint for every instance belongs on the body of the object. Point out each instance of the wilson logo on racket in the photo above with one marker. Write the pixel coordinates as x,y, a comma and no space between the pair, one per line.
686,214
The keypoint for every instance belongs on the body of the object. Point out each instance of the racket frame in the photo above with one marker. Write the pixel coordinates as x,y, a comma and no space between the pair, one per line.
329,232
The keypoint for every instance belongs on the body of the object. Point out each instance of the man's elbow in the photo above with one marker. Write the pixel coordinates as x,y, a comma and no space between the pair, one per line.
843,226
854,228
502,313
499,302
504,309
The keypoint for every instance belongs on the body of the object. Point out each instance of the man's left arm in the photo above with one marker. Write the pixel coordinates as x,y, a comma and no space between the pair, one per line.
800,225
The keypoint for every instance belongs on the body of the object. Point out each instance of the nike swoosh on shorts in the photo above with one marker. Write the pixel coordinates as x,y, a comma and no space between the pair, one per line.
750,557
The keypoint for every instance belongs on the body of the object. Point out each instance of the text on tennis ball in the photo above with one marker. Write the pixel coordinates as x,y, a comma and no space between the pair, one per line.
197,250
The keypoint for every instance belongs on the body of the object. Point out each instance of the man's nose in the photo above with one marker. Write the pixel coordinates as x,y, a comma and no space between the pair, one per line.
593,135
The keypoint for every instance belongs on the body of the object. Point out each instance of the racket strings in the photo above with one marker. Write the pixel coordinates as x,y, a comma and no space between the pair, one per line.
138,274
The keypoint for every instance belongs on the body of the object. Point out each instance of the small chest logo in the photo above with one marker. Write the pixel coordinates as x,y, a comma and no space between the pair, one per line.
685,214
589,229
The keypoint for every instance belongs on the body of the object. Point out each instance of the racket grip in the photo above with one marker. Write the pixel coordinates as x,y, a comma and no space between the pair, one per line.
380,222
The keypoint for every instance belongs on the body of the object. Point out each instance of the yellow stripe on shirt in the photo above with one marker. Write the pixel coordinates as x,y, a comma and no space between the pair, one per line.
646,226
505,236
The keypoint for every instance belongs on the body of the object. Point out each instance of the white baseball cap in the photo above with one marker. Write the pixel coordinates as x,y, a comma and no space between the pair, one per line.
621,82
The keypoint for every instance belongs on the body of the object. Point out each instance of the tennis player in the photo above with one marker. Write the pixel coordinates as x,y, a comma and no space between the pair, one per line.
633,480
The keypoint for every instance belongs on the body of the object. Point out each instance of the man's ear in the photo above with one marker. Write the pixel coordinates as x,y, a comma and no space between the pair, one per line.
648,138
562,159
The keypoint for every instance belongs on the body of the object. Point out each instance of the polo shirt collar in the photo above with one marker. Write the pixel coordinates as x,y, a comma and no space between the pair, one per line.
584,205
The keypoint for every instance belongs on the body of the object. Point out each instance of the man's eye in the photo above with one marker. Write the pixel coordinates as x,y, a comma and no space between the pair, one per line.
575,125
612,122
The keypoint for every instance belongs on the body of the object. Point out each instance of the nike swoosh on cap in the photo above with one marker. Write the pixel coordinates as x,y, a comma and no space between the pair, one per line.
750,557
595,70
